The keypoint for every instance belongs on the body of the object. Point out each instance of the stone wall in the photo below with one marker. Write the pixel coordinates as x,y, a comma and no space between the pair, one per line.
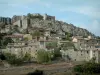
24,23
21,49
80,55
19,23
48,17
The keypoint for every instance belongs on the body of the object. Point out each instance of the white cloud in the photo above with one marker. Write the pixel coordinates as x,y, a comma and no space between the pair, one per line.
48,5
86,10
94,27
91,11
44,3
18,1
25,2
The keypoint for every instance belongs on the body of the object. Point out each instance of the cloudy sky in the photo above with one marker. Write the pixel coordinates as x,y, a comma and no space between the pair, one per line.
82,13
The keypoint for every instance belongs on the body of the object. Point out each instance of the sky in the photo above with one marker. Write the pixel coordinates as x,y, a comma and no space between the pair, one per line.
81,13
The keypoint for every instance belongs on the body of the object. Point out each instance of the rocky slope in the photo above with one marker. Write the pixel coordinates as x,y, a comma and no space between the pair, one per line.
60,27
57,26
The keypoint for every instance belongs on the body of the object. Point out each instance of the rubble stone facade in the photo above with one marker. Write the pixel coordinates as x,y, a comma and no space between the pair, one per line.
86,49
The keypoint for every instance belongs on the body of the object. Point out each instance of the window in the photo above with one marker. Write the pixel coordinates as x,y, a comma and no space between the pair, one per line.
94,55
41,43
80,44
87,51
26,43
97,46
47,38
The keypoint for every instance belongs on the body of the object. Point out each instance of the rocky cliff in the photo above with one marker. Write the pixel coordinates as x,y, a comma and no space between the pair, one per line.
54,25
59,27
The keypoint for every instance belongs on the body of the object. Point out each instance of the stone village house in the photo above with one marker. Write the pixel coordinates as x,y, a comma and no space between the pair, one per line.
86,49
21,46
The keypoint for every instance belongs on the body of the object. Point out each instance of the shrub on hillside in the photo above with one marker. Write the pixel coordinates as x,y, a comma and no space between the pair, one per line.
2,57
57,53
36,72
51,45
27,57
12,59
43,56
88,68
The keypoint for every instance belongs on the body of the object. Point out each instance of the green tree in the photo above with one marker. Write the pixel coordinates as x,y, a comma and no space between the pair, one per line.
51,45
2,57
57,53
56,50
68,36
29,15
35,16
78,68
37,34
43,56
12,59
36,72
88,68
27,57
5,41
98,37
66,46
